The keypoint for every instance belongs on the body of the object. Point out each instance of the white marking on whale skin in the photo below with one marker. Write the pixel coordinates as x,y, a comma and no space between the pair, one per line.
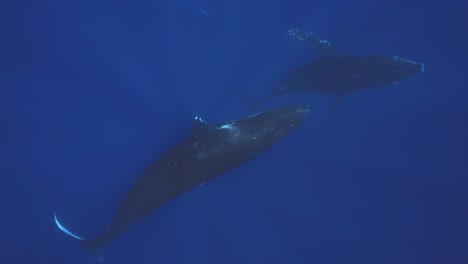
195,146
234,132
199,118
422,67
66,231
202,155
326,42
200,185
235,136
396,58
227,126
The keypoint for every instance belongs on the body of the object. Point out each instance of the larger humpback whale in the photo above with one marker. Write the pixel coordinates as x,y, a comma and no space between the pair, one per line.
208,153
341,74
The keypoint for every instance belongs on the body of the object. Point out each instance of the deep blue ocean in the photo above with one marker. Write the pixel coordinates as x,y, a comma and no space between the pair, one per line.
92,92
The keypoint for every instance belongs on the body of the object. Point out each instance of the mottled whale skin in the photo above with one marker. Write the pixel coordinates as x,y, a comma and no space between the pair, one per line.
209,152
338,74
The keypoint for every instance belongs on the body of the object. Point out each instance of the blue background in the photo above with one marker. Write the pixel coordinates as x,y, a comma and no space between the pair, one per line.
93,91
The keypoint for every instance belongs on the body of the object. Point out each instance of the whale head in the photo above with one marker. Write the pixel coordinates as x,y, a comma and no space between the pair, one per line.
389,70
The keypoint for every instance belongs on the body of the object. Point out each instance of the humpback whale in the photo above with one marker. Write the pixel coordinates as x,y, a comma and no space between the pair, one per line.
208,153
341,74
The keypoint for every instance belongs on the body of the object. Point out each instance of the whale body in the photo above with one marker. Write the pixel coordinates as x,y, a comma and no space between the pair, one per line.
208,153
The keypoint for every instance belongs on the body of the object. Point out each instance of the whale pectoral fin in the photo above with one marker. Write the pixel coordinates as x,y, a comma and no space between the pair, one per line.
320,45
336,102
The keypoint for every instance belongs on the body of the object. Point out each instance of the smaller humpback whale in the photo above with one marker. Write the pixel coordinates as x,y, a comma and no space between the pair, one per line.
209,152
341,74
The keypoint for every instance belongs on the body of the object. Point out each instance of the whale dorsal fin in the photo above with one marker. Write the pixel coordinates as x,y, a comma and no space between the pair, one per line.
320,45
199,126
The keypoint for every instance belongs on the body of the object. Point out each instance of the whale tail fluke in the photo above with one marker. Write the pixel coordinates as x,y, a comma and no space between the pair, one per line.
65,230
88,244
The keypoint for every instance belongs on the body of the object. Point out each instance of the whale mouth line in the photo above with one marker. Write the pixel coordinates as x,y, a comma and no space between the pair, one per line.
65,230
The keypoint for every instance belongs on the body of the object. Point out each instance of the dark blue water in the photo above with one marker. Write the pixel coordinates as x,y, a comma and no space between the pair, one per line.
93,91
